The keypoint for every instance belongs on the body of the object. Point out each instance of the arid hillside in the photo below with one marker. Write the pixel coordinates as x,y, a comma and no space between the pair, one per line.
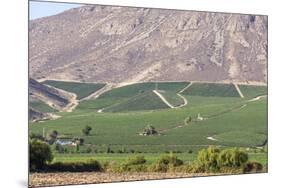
125,45
55,98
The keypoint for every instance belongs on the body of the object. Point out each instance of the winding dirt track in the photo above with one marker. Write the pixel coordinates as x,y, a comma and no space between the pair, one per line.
185,102
238,90
163,99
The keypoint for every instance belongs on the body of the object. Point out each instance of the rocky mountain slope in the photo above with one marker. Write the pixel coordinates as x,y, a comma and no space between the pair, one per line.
125,44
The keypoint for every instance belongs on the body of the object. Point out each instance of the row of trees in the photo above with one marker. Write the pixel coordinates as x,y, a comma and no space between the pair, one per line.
208,160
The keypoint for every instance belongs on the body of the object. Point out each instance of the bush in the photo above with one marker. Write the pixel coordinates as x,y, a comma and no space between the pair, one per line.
86,131
34,136
88,150
136,160
232,158
89,166
252,167
165,162
39,155
133,164
208,158
213,159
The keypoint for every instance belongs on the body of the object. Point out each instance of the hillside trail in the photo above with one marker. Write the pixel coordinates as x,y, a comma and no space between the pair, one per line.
185,102
238,90
186,123
163,99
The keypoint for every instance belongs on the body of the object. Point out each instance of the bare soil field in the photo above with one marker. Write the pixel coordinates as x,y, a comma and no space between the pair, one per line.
68,178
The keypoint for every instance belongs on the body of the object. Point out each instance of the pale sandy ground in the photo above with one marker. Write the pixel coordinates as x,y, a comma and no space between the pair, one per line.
67,178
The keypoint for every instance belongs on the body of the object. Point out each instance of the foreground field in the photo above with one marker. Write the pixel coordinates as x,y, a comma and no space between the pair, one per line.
56,179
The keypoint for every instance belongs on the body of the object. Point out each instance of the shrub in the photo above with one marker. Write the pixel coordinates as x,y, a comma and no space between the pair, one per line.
34,136
133,164
228,160
136,160
252,167
89,166
86,131
208,158
165,162
39,154
88,150
232,158
149,130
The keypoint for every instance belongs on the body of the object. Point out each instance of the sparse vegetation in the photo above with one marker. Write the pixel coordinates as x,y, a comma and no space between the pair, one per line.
86,130
149,130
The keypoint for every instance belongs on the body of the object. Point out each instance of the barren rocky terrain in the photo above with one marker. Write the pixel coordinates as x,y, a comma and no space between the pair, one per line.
124,44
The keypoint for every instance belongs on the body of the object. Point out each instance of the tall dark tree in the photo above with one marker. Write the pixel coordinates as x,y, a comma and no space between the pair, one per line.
39,154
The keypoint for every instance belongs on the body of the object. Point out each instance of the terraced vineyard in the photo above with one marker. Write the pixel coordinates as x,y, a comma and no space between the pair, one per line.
212,89
215,115
253,91
80,89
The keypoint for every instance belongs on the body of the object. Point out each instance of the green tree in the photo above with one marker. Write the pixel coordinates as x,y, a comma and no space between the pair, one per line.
86,131
53,136
149,130
39,154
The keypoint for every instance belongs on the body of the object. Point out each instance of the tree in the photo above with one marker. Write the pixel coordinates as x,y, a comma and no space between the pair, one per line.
39,154
149,130
86,131
53,136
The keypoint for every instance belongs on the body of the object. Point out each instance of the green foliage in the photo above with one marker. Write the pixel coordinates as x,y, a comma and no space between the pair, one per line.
208,158
89,166
212,89
213,159
34,136
232,157
87,129
149,130
165,162
52,137
135,160
39,154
